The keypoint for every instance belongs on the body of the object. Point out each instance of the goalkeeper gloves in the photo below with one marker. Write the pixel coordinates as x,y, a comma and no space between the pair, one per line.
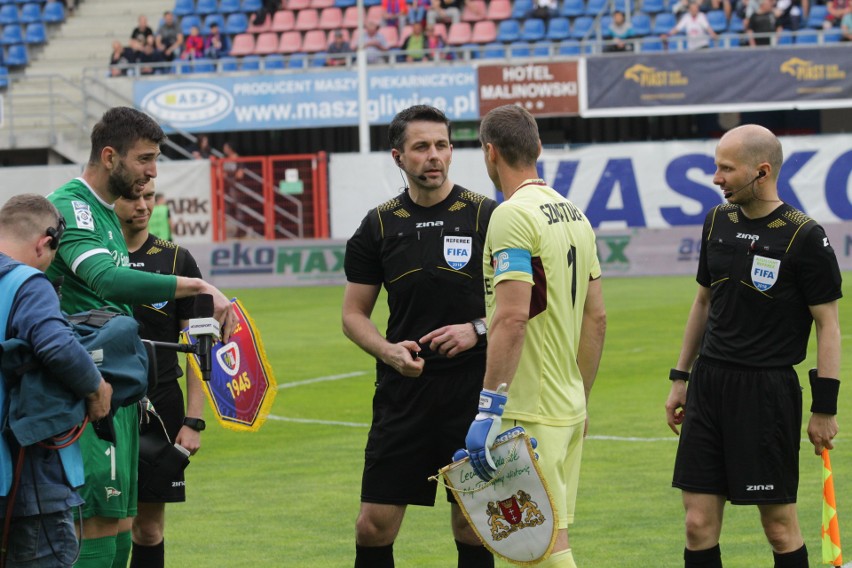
483,431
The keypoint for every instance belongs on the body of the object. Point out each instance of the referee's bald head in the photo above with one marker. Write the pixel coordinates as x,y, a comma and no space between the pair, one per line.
755,145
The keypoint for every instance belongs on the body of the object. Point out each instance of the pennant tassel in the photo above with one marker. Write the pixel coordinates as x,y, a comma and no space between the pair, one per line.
831,553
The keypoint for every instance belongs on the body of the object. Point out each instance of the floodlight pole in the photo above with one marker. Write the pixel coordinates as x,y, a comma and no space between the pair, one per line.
361,61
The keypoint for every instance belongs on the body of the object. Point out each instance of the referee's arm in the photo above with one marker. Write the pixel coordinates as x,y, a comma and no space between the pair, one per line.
822,428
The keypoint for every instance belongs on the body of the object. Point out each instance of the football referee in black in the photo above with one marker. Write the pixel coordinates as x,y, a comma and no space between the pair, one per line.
766,273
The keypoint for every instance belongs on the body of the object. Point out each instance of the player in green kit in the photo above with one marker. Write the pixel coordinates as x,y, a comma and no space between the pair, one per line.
92,264
547,321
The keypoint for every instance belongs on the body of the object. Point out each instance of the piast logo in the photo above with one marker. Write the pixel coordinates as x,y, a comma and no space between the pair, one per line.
652,77
804,70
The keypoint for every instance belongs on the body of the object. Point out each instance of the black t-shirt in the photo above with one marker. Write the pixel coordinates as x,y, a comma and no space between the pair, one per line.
764,273
429,260
160,321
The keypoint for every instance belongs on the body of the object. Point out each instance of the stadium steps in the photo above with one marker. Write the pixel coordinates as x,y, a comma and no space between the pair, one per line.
45,104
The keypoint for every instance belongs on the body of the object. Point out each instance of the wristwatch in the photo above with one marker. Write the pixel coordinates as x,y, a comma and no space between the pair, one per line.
480,329
196,424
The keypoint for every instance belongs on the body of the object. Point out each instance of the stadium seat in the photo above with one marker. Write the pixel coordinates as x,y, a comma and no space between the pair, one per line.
314,41
572,8
663,23
217,19
808,37
296,5
264,26
816,16
558,29
621,6
508,31
519,49
533,30
54,13
9,15
236,23
542,49
499,10
459,34
374,14
307,19
736,26
494,50
244,44
206,7
183,8
30,13
274,61
266,43
343,4
582,27
391,34
4,77
641,24
317,59
228,64
731,41
653,6
13,33
250,63
606,33
321,4
250,6
181,67
229,7
187,22
483,32
833,35
17,56
290,42
569,47
204,65
595,7
652,44
350,18
371,3
297,61
330,19
474,10
36,34
520,9
283,21
717,20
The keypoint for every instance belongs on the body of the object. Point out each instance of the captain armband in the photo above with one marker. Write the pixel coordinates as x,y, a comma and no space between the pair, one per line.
677,375
823,393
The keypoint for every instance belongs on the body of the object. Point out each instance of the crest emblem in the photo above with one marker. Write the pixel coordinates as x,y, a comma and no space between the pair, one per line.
764,272
83,215
229,358
457,251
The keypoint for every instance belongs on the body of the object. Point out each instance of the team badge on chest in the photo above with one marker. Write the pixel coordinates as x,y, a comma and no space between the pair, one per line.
764,272
457,251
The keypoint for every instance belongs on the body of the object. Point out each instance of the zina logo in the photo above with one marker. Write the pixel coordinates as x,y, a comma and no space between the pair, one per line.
188,104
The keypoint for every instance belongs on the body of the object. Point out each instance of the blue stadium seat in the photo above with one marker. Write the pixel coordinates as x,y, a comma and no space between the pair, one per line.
651,44
297,61
345,3
784,37
13,33
620,6
30,13
187,22
508,31
520,8
494,50
558,29
17,56
274,61
595,7
181,66
36,34
217,19
236,23
8,14
807,37
204,65
833,35
641,24
736,26
249,6
229,6
730,41
519,49
54,13
582,26
816,16
573,8
4,77
717,20
471,49
663,23
205,7
250,63
228,64
606,33
317,59
369,3
533,30
653,6
184,8
542,49
569,47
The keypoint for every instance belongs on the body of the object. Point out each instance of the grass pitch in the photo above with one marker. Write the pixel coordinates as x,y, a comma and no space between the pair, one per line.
288,495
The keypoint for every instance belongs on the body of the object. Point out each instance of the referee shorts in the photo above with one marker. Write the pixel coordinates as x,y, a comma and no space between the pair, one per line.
418,424
741,433
167,399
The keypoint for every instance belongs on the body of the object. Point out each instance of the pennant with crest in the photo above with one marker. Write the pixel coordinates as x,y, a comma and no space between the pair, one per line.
241,388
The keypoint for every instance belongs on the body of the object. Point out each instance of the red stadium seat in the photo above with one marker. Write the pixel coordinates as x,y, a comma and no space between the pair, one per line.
330,19
266,43
320,4
350,18
460,34
291,42
499,10
307,20
283,21
243,44
484,32
314,41
474,10
391,34
260,28
296,5
374,14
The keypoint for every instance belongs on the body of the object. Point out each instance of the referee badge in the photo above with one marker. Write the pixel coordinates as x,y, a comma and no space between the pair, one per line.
457,251
764,272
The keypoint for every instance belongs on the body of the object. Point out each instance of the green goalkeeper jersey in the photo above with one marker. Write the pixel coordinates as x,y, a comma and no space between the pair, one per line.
93,260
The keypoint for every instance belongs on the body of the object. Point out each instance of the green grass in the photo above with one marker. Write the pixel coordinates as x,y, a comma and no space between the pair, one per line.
288,495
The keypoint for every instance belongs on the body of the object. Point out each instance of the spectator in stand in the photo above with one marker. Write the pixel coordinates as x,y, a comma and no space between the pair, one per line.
621,31
418,10
149,57
762,23
193,45
269,7
175,50
696,27
201,149
846,27
142,30
435,44
395,13
338,52
414,46
836,10
680,8
216,45
789,14
167,33
375,43
445,11
543,9
119,59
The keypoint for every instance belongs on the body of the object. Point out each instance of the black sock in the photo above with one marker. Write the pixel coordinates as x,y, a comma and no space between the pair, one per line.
710,558
148,556
374,556
473,556
795,559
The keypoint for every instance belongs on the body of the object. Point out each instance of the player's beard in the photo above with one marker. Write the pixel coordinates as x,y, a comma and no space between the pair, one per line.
121,183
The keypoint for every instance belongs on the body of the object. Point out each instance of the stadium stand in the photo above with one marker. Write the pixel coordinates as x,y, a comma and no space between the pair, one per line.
508,31
484,31
229,7
307,19
236,23
533,30
243,44
266,43
499,10
283,21
331,18
314,41
520,8
183,8
459,34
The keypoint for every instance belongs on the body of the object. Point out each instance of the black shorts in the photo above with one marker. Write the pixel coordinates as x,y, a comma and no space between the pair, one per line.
418,424
741,434
167,399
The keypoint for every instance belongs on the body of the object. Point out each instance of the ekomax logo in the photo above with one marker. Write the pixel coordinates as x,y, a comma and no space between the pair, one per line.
310,260
188,104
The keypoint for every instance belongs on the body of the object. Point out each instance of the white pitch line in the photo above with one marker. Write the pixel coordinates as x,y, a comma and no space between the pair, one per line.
322,422
632,439
321,380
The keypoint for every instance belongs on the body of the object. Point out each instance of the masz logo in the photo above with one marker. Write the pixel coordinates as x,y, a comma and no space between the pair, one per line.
188,104
320,260
612,251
